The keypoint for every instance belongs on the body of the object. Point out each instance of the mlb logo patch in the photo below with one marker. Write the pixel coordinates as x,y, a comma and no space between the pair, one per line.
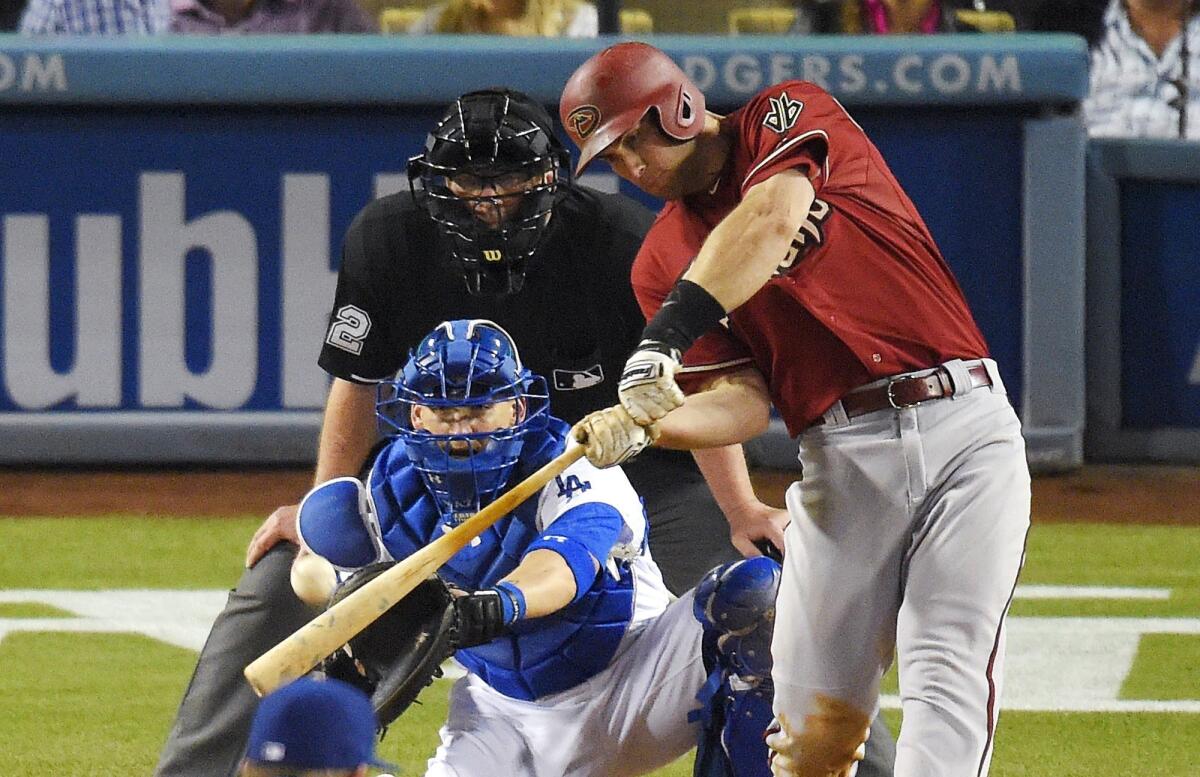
574,380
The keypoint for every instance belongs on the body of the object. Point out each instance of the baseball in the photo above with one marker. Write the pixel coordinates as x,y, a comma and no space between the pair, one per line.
313,579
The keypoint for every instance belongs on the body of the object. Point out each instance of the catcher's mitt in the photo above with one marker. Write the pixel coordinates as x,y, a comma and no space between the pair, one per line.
401,652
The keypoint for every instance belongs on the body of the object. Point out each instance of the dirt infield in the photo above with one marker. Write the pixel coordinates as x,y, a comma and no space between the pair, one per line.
1102,494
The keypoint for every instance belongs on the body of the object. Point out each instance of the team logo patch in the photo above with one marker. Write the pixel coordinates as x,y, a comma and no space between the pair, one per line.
783,114
574,380
568,486
584,120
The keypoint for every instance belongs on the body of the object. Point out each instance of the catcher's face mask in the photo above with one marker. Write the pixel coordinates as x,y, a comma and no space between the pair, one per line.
463,405
488,178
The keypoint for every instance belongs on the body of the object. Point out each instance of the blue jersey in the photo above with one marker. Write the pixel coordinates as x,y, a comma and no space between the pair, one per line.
583,508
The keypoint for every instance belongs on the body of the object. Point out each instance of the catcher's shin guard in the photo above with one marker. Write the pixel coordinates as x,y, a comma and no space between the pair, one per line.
831,743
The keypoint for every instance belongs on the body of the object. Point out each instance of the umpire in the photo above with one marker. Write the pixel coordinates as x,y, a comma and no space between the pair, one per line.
493,228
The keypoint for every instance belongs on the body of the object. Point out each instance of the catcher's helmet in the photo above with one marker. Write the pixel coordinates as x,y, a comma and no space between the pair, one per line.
463,363
489,137
611,92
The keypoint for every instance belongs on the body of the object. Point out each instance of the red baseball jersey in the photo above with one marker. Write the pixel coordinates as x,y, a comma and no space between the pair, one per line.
862,294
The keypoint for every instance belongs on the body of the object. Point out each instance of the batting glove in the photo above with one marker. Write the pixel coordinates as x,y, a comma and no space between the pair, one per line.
647,388
611,436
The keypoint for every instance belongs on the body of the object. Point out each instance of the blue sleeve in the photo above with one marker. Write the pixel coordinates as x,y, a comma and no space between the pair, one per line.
584,536
334,522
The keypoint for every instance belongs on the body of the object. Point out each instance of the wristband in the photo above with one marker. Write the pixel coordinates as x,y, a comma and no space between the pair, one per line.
512,601
687,313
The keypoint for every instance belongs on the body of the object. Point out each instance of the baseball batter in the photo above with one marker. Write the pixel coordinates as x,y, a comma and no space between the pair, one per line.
578,663
789,268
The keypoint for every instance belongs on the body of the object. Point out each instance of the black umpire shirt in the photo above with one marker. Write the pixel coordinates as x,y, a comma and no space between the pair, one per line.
575,321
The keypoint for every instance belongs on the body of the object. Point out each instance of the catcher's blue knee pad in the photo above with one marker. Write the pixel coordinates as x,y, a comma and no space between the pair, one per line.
736,603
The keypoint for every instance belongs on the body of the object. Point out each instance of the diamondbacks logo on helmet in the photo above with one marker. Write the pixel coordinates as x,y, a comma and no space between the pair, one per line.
584,120
783,114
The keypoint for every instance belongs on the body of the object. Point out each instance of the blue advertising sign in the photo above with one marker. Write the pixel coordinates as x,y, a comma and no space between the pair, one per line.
182,261
1160,304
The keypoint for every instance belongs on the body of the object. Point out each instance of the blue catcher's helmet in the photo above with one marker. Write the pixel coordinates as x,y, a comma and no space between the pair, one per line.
463,364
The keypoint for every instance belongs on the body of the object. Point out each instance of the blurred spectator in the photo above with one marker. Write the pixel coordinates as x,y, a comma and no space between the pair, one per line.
250,17
94,17
549,18
1145,71
312,728
902,17
10,14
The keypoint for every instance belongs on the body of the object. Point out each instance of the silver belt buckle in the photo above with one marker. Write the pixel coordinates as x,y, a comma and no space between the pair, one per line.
891,396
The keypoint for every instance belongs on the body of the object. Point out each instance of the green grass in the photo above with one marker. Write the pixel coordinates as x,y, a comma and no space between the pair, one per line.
1167,667
31,610
100,704
124,552
87,704
1042,744
1086,554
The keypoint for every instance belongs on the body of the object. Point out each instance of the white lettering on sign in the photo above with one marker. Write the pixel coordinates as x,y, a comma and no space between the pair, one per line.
742,73
950,74
701,70
94,378
167,237
33,73
902,73
996,77
816,69
308,286
854,78
910,74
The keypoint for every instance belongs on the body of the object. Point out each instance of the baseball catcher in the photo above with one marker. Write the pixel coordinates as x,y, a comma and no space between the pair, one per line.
578,662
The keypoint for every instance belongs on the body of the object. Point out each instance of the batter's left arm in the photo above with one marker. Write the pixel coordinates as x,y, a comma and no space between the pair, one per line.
744,250
738,258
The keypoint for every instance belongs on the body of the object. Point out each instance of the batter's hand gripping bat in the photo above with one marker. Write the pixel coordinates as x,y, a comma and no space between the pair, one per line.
299,653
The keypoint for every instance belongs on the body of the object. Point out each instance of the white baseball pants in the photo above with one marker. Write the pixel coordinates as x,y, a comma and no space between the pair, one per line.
908,532
629,719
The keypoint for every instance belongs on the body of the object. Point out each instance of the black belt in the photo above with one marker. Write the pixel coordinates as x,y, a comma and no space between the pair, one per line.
906,391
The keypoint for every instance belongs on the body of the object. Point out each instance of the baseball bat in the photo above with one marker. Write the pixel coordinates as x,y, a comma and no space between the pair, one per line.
298,654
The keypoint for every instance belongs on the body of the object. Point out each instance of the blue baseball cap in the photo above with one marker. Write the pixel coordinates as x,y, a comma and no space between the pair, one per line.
315,724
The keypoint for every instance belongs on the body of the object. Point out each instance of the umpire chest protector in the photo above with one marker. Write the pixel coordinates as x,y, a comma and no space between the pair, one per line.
538,656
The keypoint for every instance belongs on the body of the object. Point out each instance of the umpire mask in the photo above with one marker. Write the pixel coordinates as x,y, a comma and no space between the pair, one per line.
488,178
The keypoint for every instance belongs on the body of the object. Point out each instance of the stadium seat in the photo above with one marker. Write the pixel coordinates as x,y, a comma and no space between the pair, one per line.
635,21
760,21
985,21
399,19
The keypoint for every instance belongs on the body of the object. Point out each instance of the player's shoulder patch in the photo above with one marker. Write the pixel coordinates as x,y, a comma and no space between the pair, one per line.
582,483
783,112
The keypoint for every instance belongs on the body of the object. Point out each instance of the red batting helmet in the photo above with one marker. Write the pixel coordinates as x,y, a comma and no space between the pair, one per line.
611,92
